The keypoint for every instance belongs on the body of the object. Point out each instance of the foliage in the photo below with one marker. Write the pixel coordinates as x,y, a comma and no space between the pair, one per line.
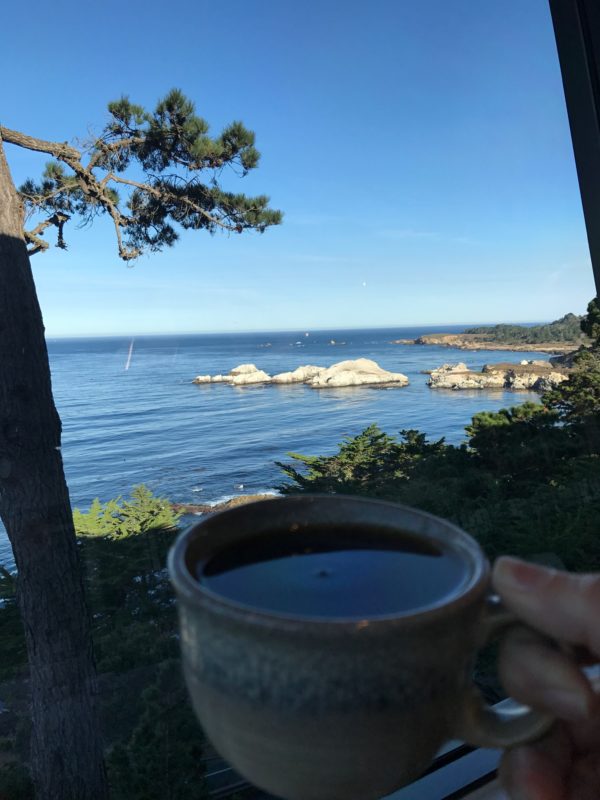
590,323
577,400
123,547
566,329
123,544
181,167
119,519
519,444
11,628
371,463
162,759
526,481
15,783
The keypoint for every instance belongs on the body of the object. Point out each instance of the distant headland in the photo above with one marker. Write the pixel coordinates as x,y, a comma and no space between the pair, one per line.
560,336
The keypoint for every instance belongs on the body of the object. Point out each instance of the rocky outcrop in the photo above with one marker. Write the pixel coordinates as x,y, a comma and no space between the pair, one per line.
459,376
299,375
212,508
479,341
239,376
244,369
246,378
361,372
567,360
534,376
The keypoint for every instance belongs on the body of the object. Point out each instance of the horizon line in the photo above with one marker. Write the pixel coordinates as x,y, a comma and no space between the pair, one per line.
127,334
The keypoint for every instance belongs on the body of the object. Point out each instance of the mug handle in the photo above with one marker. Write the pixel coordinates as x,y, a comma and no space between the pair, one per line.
485,726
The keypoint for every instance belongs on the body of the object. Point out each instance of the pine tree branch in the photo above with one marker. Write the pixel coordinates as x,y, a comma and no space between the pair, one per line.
39,245
165,194
60,150
158,199
102,148
86,180
38,199
32,237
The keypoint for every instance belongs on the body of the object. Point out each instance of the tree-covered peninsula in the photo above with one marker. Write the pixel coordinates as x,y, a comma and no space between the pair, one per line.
566,329
560,336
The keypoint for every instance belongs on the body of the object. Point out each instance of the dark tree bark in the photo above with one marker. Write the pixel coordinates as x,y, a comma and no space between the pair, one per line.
66,754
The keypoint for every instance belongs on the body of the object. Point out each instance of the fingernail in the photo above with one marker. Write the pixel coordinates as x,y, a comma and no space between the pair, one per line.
519,574
567,705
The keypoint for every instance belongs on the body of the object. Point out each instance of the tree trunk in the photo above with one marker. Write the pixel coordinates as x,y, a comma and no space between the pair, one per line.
66,748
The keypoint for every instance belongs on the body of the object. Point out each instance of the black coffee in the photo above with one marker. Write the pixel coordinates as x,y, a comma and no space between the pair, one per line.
334,573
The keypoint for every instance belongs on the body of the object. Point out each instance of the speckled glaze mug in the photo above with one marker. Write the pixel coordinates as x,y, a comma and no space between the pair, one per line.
338,709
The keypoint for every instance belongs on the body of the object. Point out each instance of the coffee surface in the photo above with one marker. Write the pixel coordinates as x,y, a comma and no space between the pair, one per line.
333,573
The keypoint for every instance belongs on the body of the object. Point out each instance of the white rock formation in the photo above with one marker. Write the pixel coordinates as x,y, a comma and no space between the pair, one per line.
299,375
459,376
527,376
549,381
245,373
521,380
244,369
245,378
361,372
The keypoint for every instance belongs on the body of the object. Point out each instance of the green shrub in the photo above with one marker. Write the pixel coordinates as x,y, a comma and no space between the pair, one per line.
162,759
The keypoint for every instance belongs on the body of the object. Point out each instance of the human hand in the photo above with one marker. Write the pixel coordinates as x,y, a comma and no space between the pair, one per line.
565,764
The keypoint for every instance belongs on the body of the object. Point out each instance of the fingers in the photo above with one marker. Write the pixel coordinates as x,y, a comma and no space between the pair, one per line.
554,768
562,605
538,771
585,778
586,738
541,676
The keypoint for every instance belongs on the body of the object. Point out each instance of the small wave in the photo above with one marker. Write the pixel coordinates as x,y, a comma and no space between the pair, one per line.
225,498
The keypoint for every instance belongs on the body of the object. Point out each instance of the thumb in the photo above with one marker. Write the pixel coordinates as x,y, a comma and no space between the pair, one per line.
564,606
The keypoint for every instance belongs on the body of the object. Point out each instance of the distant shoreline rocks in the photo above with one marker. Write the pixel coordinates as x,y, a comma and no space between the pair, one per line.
358,372
536,376
478,341
213,508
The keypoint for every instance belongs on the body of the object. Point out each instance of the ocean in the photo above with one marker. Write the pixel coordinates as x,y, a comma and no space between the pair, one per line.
201,444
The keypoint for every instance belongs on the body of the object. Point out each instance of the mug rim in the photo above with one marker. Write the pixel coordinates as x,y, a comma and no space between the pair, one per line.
194,593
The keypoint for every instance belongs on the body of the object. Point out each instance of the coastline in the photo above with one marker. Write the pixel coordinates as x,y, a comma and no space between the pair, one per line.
198,509
477,341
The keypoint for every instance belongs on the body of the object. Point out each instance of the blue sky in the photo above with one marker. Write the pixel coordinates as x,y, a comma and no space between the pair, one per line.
420,152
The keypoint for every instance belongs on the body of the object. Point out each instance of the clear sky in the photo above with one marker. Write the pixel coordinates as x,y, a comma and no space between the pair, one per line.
420,152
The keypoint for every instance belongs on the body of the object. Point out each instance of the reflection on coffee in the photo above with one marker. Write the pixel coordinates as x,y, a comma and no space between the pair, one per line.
334,573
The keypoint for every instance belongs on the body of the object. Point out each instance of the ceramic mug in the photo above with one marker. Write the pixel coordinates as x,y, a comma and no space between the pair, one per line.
338,709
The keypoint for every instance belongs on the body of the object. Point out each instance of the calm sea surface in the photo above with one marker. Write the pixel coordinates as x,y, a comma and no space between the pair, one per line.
150,424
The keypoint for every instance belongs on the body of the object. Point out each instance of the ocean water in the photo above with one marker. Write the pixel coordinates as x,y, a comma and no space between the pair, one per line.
149,424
